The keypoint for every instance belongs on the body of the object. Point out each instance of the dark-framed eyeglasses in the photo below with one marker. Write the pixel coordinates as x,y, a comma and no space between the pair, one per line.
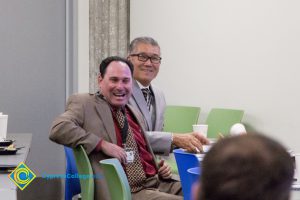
143,57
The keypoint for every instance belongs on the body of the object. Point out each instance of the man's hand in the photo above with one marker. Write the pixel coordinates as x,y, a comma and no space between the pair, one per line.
201,138
164,170
192,142
114,151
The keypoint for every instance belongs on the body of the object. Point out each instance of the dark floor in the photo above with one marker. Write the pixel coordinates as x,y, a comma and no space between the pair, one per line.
41,188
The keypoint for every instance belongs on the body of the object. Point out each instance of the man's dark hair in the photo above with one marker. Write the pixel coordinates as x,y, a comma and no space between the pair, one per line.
246,167
104,64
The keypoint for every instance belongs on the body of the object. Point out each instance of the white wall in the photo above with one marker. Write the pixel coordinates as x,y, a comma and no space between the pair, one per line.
83,45
232,54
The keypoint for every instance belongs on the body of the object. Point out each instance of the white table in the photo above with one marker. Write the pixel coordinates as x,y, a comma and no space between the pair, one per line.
8,190
295,195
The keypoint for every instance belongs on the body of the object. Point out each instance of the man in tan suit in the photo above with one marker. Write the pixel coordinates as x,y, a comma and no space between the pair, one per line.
105,125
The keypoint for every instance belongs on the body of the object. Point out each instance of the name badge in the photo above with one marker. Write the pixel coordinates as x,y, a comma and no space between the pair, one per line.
129,155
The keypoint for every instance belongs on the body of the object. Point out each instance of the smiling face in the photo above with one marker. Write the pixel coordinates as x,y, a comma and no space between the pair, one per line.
145,72
116,85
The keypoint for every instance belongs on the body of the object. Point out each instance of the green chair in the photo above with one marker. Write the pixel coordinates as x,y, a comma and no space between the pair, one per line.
116,179
220,120
179,119
84,167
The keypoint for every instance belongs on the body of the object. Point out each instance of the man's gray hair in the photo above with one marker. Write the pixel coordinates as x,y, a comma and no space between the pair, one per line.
144,40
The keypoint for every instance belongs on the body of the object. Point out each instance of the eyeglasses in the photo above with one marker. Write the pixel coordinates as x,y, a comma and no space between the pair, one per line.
143,57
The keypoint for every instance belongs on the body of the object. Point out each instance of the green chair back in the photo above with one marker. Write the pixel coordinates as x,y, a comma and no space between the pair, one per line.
84,167
116,179
220,120
180,119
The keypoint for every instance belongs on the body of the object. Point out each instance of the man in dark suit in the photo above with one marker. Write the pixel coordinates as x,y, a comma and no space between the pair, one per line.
107,127
145,55
246,167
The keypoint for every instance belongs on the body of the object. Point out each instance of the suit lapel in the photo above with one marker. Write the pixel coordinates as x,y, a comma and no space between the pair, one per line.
136,116
104,112
140,101
157,106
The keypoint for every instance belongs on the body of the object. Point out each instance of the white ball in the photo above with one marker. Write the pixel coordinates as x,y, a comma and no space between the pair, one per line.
238,129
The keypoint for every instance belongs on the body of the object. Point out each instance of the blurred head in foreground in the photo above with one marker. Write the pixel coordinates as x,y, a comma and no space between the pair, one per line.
246,167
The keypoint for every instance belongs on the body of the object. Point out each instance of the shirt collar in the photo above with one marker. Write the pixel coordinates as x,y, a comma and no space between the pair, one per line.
143,87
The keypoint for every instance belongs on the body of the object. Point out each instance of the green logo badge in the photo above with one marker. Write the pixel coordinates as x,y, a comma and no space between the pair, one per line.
22,176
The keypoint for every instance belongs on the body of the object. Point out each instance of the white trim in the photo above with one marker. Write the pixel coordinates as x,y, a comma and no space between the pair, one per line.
83,45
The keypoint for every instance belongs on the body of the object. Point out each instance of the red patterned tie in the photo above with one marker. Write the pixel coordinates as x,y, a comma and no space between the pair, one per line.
135,172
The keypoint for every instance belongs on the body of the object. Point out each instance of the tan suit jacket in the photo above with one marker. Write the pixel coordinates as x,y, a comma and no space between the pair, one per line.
86,121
